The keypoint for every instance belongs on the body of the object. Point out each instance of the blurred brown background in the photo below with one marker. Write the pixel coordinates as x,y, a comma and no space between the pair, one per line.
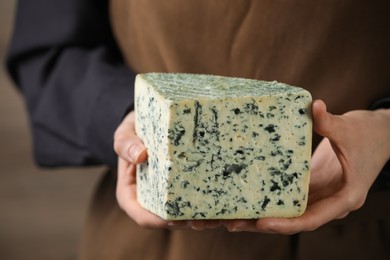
41,211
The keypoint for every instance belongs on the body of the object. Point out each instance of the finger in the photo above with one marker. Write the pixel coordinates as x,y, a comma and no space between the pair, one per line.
126,173
127,144
325,169
178,224
204,224
326,124
197,225
146,219
240,225
127,200
315,216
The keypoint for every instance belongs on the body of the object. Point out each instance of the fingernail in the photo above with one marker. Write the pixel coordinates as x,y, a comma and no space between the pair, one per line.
171,224
196,228
134,152
213,224
233,229
195,225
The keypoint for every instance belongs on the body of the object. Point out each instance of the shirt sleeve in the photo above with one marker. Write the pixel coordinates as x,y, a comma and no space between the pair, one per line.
64,59
384,176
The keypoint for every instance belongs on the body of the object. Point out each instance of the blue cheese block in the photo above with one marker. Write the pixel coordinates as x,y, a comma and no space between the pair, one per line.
221,147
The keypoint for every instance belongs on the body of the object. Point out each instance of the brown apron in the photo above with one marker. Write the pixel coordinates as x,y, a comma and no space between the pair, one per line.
337,49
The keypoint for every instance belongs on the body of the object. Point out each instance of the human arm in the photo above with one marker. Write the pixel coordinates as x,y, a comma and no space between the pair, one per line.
344,166
64,60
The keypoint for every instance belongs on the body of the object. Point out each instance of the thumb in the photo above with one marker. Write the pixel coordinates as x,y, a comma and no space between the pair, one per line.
127,144
325,123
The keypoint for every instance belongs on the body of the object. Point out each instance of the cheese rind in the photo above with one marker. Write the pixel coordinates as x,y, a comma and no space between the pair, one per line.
221,147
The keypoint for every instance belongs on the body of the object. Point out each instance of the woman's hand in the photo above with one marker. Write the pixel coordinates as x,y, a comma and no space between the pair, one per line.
343,168
131,152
